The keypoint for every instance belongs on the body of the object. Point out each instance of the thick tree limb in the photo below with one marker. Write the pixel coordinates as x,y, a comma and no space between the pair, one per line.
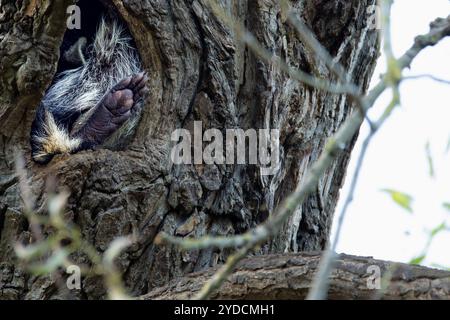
290,276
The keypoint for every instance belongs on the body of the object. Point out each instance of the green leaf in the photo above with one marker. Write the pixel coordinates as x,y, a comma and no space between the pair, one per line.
446,205
402,199
431,171
417,260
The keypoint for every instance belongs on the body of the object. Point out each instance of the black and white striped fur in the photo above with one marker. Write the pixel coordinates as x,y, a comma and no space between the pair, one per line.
112,70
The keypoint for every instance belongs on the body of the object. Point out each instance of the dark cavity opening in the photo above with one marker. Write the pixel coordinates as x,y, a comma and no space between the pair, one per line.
91,13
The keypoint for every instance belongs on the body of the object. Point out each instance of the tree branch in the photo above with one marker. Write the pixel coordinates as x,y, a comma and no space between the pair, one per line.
290,276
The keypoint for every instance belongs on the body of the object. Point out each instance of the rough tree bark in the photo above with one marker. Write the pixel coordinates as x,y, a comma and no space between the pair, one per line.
198,72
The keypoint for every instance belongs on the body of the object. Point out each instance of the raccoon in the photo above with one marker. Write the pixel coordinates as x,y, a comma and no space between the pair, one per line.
97,104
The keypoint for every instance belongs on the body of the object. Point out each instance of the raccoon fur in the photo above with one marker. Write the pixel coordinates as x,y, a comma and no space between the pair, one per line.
97,104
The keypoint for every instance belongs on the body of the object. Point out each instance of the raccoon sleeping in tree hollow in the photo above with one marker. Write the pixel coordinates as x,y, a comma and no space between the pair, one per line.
96,104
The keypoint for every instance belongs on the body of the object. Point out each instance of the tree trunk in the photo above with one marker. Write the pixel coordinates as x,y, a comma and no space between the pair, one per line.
198,71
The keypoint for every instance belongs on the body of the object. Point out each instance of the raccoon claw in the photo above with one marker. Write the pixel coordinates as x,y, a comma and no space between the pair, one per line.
114,109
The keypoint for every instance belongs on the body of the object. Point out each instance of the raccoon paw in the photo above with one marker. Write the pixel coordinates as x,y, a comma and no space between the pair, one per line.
114,109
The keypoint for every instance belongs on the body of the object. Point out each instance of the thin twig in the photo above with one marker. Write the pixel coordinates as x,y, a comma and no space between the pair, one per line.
310,40
27,196
319,287
47,254
222,274
426,76
249,39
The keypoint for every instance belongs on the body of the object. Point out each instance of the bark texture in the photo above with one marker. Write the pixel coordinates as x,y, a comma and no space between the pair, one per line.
198,72
290,276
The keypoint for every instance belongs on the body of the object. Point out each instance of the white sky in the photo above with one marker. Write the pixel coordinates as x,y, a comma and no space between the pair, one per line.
375,225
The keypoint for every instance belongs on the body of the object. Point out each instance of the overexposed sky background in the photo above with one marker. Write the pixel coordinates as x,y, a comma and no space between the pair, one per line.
375,225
